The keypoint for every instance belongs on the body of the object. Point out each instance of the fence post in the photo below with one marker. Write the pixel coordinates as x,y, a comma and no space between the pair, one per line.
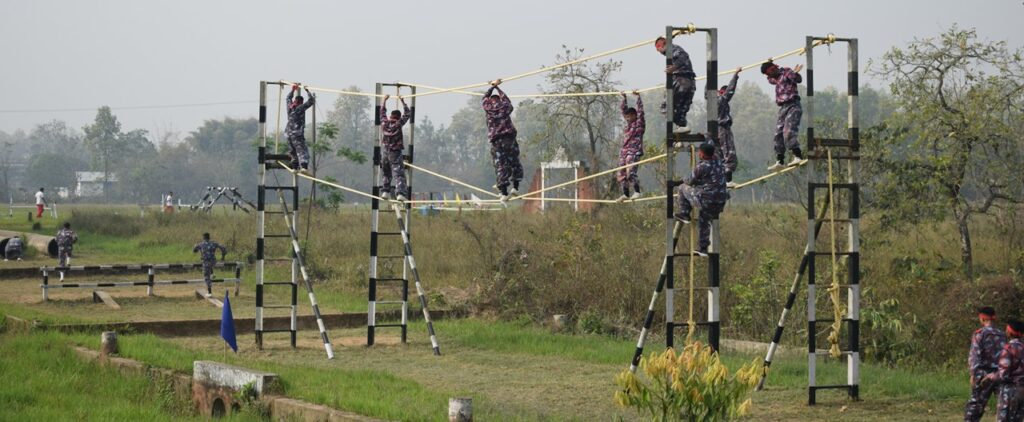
150,273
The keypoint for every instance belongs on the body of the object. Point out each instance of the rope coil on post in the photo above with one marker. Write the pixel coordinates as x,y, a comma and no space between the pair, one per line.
833,290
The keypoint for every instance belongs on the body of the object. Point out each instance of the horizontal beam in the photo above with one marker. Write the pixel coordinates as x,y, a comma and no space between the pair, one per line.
127,267
132,283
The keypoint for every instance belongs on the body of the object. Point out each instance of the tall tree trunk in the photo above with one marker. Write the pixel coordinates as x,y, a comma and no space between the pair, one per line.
966,251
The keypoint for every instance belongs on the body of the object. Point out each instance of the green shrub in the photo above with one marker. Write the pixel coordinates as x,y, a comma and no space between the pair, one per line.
691,386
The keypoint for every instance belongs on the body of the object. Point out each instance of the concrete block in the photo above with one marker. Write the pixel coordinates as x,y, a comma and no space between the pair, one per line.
234,377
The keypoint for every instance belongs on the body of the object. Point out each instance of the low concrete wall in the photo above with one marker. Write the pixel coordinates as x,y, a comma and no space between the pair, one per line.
286,409
213,388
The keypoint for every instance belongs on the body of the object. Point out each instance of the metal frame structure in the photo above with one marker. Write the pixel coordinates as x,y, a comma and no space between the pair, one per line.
666,278
822,151
10,208
150,270
671,235
375,234
269,161
560,165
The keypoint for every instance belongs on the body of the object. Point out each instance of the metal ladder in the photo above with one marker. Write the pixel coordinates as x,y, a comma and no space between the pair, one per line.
673,229
398,286
847,194
273,162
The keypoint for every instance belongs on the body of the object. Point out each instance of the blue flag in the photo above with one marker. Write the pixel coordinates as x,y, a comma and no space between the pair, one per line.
227,325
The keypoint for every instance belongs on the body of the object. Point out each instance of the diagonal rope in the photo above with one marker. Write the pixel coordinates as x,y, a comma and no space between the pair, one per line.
769,175
443,177
599,174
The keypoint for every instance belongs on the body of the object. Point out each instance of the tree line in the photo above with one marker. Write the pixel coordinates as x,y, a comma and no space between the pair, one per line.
942,140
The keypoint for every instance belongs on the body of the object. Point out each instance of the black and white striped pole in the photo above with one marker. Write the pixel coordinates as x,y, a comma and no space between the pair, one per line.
371,312
416,277
790,301
150,275
261,195
301,264
670,164
649,318
714,269
853,259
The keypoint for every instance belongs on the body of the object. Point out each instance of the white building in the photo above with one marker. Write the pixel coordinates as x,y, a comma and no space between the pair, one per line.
90,183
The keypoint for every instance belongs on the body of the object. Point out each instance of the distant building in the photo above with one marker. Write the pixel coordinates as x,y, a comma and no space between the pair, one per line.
90,183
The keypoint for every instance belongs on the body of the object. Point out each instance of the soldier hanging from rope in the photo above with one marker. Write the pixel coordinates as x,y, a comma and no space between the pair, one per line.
632,146
296,129
683,83
704,189
726,146
504,146
392,165
787,127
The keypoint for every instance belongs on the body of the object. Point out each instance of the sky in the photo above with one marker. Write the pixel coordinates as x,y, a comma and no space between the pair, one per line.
63,59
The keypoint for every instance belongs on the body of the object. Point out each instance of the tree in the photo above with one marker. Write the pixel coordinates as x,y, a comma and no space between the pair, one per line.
56,137
223,153
954,143
102,138
592,121
53,169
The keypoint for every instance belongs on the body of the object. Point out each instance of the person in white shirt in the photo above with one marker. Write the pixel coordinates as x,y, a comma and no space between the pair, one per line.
40,203
169,203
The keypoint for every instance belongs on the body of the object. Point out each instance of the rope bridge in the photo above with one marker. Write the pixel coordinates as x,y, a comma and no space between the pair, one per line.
465,88
530,196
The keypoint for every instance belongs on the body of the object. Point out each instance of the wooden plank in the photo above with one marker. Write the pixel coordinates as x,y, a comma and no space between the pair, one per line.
201,294
101,296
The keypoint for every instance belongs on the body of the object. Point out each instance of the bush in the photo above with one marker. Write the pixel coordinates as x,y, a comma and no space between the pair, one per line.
693,386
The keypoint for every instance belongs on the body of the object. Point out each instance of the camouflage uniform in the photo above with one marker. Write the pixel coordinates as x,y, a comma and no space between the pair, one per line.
632,146
296,130
725,149
705,189
986,344
13,248
66,238
1010,379
787,126
684,84
392,163
502,134
208,253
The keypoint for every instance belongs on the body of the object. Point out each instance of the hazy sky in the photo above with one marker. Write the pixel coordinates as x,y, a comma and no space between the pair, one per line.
79,55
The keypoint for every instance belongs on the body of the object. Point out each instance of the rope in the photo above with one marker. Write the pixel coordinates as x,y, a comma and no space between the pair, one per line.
463,90
441,176
552,67
769,175
599,174
691,323
833,290
332,90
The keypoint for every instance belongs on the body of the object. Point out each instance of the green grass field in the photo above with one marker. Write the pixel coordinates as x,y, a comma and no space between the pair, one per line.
43,381
513,370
